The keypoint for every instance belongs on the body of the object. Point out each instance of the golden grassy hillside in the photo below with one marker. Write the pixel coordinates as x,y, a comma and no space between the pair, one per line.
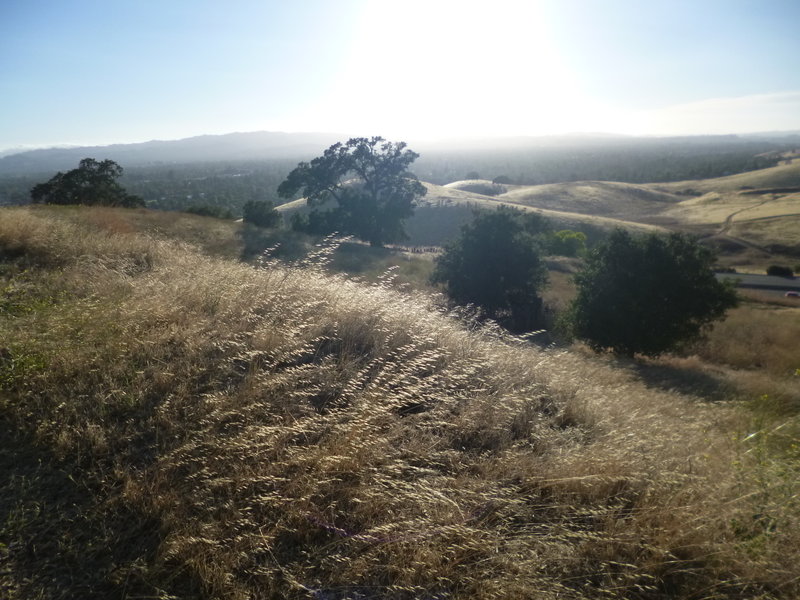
558,208
478,186
625,201
780,176
442,211
182,426
768,220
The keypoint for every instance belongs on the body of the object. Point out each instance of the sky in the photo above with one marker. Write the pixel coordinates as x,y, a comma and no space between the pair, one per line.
90,72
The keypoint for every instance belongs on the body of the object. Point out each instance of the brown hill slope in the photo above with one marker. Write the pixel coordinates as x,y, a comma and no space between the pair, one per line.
780,176
445,208
624,201
183,426
760,207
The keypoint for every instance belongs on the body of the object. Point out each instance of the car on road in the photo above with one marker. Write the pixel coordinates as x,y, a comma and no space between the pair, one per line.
792,294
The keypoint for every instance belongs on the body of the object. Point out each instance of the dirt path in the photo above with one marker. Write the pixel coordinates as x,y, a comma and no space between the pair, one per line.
726,225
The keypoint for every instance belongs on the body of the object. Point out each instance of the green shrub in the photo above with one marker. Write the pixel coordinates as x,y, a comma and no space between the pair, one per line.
496,264
566,243
261,213
206,210
648,294
780,271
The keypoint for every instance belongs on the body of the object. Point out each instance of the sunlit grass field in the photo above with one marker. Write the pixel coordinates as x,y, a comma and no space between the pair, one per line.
180,425
780,176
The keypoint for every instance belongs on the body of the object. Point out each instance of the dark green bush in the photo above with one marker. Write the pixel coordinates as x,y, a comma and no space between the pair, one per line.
647,294
780,271
261,214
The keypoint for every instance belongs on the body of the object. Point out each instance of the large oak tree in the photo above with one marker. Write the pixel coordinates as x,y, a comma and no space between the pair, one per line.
364,187
93,182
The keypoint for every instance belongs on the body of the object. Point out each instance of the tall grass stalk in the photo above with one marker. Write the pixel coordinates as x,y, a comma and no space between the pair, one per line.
282,433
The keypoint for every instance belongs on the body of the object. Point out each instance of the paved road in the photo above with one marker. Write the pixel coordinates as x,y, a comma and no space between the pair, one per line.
764,282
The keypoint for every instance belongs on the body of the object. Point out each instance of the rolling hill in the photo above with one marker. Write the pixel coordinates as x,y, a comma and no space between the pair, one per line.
780,176
609,199
182,425
759,208
441,212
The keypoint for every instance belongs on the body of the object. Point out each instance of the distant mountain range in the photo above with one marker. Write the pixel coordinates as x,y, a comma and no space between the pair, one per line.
264,145
259,145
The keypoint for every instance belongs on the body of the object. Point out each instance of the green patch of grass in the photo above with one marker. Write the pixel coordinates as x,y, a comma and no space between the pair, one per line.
17,364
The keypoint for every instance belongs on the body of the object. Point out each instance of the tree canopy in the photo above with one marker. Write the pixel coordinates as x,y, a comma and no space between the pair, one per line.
647,294
496,264
367,181
93,182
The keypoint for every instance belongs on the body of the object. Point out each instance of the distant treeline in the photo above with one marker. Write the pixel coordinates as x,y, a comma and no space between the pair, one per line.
223,186
627,160
227,186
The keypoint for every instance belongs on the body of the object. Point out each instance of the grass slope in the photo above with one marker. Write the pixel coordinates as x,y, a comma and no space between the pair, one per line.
182,426
444,209
780,176
624,201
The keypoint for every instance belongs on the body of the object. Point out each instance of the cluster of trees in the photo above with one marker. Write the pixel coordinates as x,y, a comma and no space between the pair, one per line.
780,271
647,294
261,214
224,186
644,294
93,183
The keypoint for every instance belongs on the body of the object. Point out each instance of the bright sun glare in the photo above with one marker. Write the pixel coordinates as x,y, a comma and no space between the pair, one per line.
448,68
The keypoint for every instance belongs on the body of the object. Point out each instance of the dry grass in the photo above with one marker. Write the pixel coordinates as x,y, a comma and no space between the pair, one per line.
624,201
216,237
757,336
281,433
439,197
779,231
765,219
780,176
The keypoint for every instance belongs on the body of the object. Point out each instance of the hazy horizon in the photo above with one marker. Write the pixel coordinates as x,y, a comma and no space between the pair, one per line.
437,141
84,74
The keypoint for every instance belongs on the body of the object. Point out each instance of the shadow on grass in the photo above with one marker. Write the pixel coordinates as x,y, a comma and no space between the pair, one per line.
283,244
359,259
63,536
347,257
689,380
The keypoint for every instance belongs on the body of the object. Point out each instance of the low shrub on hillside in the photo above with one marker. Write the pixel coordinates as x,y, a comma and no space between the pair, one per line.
207,210
261,214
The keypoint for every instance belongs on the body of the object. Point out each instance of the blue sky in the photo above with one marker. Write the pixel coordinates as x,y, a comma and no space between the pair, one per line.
91,72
